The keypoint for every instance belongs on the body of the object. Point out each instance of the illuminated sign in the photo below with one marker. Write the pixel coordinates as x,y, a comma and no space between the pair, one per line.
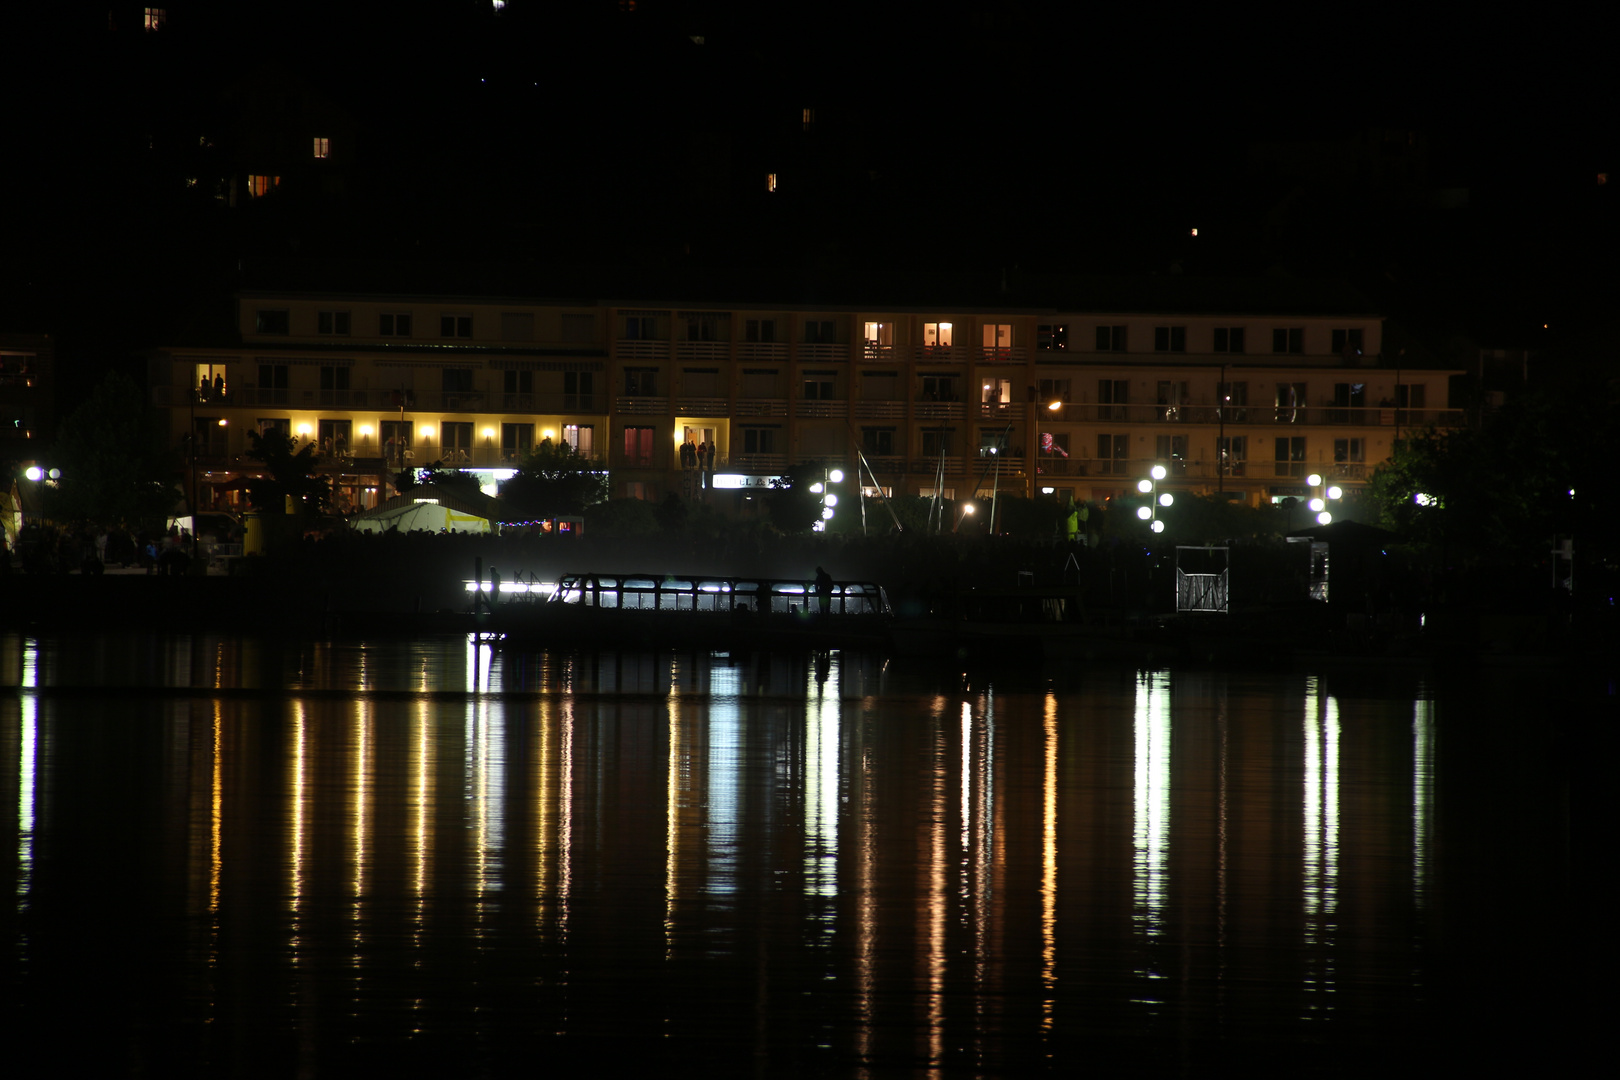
733,481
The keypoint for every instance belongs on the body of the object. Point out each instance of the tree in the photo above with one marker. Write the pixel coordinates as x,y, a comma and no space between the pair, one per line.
292,474
115,459
793,507
553,480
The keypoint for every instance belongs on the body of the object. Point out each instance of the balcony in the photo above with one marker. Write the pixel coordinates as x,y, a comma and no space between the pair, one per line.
712,351
763,351
939,410
930,466
1012,354
761,407
756,463
887,464
641,349
642,406
880,410
819,353
819,409
712,406
881,354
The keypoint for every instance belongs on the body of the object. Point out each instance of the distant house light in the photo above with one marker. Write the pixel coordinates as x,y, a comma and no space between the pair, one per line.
323,147
156,17
770,181
809,118
260,186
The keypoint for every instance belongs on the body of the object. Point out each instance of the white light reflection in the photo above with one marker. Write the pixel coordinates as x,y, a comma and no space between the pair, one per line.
1152,804
936,901
1049,868
1422,795
27,763
1321,874
485,791
821,736
360,811
480,656
295,837
724,803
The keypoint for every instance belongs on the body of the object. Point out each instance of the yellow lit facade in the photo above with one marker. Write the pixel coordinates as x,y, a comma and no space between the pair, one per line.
1077,403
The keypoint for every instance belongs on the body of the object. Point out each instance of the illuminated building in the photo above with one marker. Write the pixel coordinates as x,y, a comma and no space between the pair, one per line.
1232,396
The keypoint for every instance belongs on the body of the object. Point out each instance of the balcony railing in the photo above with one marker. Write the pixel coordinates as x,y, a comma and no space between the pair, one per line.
939,410
762,407
881,353
702,350
701,407
762,350
1011,354
819,353
642,406
1300,415
759,463
641,349
930,465
880,410
821,409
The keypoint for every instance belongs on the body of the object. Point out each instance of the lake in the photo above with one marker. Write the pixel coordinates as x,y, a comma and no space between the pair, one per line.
251,857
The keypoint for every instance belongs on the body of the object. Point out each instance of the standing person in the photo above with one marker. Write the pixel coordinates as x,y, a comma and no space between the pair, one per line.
824,588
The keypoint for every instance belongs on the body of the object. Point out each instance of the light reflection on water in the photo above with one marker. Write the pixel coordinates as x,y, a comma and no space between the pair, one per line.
436,848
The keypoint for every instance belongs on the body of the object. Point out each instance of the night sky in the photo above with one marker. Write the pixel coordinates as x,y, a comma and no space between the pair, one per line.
1449,170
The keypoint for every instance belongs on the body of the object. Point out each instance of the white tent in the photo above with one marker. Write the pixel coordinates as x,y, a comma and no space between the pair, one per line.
410,513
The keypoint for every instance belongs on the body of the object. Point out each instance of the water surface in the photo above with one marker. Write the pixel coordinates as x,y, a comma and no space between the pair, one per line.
245,857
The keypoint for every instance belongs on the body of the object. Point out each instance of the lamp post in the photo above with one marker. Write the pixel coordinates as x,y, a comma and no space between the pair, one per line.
1321,497
1156,499
967,508
829,501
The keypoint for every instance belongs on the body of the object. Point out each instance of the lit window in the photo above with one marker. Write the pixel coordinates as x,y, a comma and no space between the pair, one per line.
998,336
770,181
260,186
323,147
809,118
937,335
156,17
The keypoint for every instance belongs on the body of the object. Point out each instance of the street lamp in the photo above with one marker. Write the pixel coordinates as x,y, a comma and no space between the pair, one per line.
967,508
1319,502
828,499
1156,498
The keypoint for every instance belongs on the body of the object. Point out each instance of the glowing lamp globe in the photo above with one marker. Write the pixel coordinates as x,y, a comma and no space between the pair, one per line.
1144,486
1166,499
1157,472
1158,526
1314,480
1143,512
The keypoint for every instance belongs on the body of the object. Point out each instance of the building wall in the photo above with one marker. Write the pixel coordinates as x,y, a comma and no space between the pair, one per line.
771,387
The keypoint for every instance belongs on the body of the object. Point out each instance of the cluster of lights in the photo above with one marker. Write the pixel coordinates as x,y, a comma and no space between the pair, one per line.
36,474
1318,503
1150,512
828,499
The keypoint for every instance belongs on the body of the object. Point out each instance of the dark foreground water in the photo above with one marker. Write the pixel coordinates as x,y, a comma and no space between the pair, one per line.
249,858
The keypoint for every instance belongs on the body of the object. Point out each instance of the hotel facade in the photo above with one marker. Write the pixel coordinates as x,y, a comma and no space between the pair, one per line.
1026,401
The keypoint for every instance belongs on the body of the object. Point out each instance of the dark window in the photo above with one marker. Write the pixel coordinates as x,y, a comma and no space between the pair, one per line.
577,389
936,441
334,378
517,382
1288,340
1112,394
459,326
1229,339
1114,452
939,388
273,376
333,322
1052,337
1234,451
818,387
1110,339
1290,456
516,441
820,332
456,380
1347,343
759,440
641,382
271,322
1170,339
761,330
878,441
1349,451
640,328
394,325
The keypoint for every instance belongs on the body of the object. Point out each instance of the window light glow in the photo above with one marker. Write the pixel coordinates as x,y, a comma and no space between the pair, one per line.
489,433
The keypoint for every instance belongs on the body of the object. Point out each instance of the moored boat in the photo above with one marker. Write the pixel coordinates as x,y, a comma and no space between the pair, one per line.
667,610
